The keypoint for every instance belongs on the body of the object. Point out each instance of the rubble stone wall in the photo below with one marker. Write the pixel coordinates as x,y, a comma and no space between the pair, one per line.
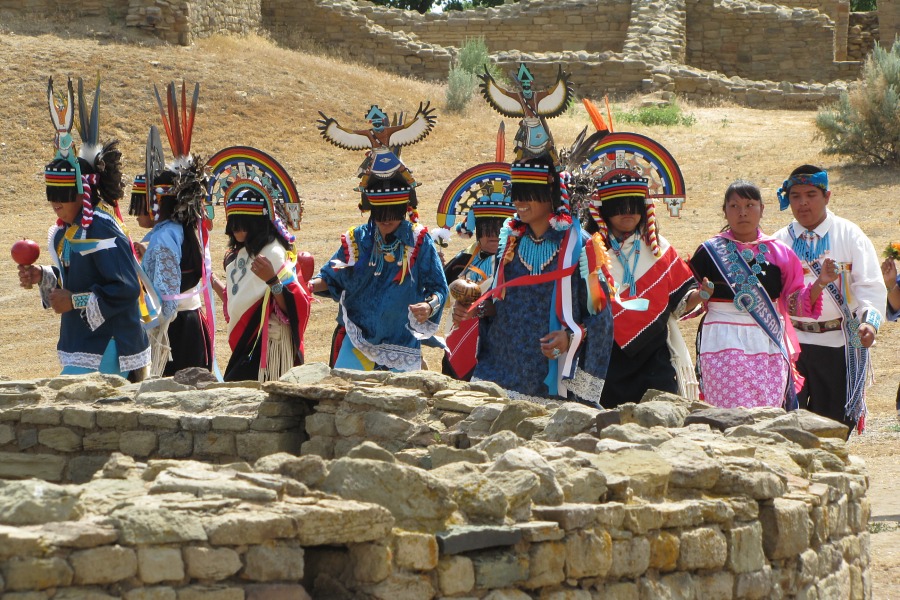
180,21
418,486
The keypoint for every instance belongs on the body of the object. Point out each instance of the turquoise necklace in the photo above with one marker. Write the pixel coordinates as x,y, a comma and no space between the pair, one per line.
383,252
628,270
743,284
809,246
536,253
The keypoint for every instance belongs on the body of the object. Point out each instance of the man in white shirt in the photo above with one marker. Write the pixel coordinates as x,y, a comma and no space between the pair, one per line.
834,350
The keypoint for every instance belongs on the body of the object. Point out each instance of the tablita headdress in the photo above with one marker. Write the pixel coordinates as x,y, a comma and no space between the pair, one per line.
383,141
629,165
94,173
250,182
183,182
481,192
532,106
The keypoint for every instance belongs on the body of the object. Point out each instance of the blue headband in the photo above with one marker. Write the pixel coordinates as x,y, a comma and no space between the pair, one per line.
820,180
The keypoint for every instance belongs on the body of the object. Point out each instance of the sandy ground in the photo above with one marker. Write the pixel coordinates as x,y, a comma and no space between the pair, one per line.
257,94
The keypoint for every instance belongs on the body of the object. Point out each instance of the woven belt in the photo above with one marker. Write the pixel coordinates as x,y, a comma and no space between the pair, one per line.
817,326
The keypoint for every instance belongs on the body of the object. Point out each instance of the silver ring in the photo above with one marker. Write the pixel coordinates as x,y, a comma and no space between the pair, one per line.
555,353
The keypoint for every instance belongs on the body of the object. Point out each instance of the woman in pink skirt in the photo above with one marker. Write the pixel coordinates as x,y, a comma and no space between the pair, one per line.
746,346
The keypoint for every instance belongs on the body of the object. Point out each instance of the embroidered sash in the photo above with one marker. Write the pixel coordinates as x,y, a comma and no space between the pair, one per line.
757,303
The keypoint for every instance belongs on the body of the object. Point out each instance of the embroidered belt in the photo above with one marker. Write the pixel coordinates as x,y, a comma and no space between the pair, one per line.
817,326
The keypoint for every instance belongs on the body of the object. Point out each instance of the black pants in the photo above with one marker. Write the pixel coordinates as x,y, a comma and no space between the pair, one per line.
825,389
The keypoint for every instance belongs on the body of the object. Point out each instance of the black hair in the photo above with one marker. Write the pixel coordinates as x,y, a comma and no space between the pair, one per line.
110,185
138,205
627,205
744,189
488,226
260,233
806,170
536,192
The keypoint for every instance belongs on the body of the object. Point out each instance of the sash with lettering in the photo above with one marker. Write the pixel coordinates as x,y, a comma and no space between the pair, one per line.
857,357
757,303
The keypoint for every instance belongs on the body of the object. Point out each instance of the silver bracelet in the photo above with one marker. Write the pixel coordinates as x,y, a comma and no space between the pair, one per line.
435,303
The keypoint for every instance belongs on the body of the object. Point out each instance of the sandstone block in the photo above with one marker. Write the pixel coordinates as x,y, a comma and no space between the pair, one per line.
664,549
588,554
499,569
7,434
745,550
160,564
647,473
785,525
371,562
630,558
157,420
640,519
702,548
137,443
101,440
756,585
106,564
253,445
211,592
212,564
61,439
276,591
158,526
401,585
716,586
321,424
79,417
179,444
385,426
120,420
415,551
569,419
388,399
526,459
248,528
14,465
547,561
456,575
340,522
42,415
34,502
274,563
214,443
36,573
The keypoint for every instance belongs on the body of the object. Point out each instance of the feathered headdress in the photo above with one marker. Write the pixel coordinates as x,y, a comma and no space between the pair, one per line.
187,182
533,106
383,141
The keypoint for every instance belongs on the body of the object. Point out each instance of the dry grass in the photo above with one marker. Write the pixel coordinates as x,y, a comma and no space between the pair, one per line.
255,93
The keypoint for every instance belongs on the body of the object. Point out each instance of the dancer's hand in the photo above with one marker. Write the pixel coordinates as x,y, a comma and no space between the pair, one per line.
866,335
61,301
555,343
830,272
889,273
262,268
420,311
29,275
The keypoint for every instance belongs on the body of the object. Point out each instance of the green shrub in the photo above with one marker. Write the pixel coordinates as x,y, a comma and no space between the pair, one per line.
460,86
863,124
668,115
463,78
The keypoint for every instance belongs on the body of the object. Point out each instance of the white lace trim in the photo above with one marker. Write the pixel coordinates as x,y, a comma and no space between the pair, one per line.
92,313
47,284
134,361
84,360
160,347
680,309
388,355
586,386
421,331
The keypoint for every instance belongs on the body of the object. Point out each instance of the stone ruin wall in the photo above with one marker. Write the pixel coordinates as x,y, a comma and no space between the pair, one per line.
756,54
416,486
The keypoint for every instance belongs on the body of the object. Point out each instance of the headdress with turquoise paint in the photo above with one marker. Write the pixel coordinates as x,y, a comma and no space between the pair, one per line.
819,179
178,189
481,192
532,106
91,175
250,182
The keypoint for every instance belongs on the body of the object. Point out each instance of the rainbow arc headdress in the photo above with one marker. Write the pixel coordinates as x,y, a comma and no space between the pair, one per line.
250,182
479,192
628,165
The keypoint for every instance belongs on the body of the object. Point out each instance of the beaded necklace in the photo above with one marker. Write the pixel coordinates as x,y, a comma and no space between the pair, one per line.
809,246
536,253
64,248
383,252
743,284
628,270
479,267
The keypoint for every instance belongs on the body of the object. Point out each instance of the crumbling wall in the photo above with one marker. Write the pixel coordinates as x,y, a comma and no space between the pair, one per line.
418,486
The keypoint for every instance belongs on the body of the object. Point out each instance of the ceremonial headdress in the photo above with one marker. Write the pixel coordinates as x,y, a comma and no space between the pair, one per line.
94,174
384,180
481,192
176,191
628,166
250,182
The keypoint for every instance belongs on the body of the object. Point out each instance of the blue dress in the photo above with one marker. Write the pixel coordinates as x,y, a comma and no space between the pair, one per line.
374,296
510,350
97,265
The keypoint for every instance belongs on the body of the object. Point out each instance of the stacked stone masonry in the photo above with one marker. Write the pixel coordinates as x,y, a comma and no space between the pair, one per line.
796,55
416,486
